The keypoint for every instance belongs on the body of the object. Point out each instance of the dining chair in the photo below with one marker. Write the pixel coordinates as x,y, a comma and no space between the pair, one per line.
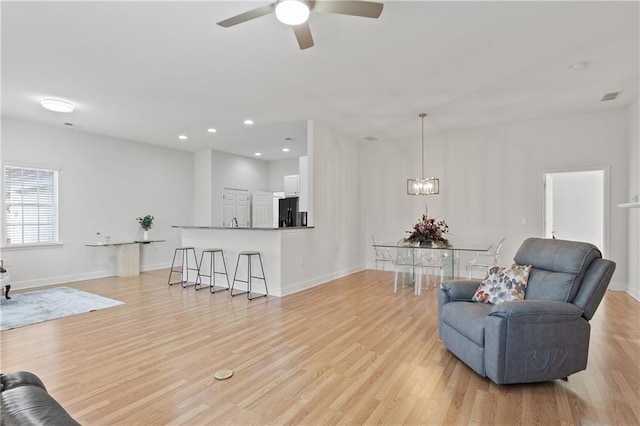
485,259
428,261
383,255
403,262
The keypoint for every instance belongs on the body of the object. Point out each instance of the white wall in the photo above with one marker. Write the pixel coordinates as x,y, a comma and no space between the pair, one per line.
385,167
491,180
334,247
278,169
202,188
107,181
633,116
233,171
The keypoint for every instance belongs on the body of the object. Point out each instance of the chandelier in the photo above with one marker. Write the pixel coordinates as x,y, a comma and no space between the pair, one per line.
423,185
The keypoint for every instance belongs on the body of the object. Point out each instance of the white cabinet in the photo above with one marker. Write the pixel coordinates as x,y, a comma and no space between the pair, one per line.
292,185
235,208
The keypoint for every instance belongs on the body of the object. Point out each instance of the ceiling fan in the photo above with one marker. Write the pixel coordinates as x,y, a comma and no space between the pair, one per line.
296,13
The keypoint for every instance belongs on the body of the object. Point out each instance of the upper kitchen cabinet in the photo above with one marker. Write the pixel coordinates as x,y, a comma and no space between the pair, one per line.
292,186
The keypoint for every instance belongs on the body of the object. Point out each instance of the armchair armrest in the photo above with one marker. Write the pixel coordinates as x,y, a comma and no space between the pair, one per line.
539,311
460,290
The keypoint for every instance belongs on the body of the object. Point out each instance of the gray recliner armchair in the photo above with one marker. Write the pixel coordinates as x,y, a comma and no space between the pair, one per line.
543,337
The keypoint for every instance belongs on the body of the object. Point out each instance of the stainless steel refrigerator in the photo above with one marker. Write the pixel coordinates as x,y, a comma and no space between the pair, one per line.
288,212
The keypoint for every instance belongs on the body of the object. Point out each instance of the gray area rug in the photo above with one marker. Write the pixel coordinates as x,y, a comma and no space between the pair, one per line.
44,305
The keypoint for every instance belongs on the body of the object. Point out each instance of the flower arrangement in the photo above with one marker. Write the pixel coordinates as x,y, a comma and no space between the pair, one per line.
145,222
429,229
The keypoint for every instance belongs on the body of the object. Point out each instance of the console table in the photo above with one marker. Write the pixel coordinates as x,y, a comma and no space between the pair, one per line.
127,255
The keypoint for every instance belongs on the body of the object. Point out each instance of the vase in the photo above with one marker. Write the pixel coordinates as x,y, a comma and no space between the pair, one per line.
145,236
427,243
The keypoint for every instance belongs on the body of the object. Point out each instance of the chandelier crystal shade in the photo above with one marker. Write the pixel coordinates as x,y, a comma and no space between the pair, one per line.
423,185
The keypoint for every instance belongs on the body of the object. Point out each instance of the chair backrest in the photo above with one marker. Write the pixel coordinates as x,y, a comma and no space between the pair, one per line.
568,271
404,255
381,252
499,246
496,252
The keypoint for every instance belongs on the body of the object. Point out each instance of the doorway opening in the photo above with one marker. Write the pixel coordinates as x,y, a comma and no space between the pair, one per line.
575,206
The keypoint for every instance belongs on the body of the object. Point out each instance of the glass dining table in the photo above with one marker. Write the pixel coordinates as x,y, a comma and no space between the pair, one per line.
414,256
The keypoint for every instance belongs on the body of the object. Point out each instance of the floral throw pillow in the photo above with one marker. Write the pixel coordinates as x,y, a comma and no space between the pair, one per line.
503,285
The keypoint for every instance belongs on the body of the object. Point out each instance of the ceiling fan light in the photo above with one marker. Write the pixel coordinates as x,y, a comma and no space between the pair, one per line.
292,12
57,105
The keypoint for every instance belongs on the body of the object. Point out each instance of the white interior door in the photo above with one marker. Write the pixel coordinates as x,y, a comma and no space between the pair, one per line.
276,196
242,208
575,206
235,205
228,207
261,209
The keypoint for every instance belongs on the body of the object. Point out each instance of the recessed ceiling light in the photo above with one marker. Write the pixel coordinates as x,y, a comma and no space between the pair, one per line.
248,122
285,149
580,65
183,137
211,130
57,105
258,154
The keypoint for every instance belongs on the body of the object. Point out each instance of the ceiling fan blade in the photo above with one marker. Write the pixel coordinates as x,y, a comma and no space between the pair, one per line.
247,16
366,9
303,35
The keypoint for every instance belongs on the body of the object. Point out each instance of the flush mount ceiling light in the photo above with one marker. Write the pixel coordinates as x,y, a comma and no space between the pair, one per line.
292,12
57,105
423,185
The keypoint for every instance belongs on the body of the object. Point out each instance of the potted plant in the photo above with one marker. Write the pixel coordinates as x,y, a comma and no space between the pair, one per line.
146,223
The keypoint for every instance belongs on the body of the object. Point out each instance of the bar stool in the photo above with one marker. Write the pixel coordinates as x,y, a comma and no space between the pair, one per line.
249,255
212,270
184,266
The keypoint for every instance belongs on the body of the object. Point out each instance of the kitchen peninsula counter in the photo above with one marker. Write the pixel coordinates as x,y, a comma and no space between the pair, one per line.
285,254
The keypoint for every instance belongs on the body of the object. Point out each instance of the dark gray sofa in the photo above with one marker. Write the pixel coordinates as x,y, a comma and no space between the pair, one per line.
25,401
543,337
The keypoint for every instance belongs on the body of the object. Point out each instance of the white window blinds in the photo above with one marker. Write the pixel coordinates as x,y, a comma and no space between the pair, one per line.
31,203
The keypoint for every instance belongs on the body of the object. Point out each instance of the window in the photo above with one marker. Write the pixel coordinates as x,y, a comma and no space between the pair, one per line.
31,205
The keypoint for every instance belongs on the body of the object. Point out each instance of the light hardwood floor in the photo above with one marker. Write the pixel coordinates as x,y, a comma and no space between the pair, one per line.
346,352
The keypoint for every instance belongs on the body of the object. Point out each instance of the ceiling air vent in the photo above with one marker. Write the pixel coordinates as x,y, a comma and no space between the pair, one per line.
610,96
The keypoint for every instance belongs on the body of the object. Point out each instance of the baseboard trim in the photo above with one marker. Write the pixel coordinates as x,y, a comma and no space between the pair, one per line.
322,279
62,279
